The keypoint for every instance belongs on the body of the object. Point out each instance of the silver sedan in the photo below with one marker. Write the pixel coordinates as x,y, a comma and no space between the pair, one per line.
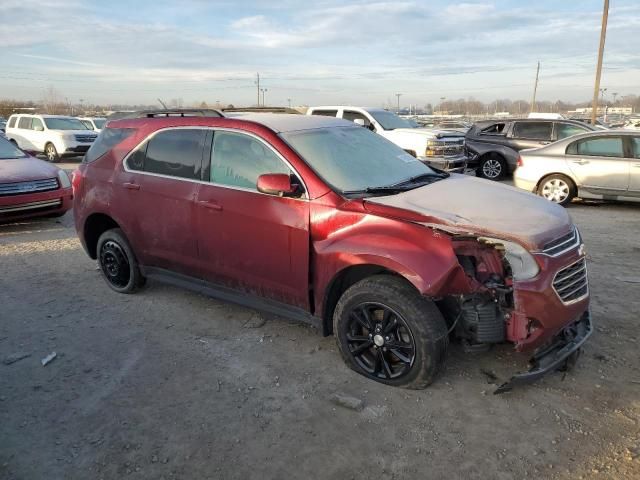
594,165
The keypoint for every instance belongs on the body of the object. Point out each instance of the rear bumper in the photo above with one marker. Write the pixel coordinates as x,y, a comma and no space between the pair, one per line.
563,348
38,204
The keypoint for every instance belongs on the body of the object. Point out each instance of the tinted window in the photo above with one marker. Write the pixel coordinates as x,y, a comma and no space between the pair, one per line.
177,153
325,113
495,129
136,159
12,122
636,147
351,116
565,130
238,160
107,139
24,122
36,122
532,130
601,147
389,120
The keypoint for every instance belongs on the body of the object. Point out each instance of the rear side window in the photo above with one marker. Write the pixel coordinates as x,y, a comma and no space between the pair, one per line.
565,130
25,122
532,130
177,153
325,113
108,138
598,147
12,122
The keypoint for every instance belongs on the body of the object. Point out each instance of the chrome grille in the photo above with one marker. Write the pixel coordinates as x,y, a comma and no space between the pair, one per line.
571,283
33,186
85,138
45,204
563,244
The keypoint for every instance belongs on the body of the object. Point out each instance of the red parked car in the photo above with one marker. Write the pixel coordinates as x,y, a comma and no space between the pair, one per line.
314,218
30,187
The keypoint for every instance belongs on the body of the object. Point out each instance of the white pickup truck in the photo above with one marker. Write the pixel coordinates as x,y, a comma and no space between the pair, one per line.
443,149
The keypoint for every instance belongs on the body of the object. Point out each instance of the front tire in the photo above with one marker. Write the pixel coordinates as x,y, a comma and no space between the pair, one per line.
557,189
51,153
117,262
388,332
492,167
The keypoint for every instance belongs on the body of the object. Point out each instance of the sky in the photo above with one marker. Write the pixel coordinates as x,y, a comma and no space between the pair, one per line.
314,52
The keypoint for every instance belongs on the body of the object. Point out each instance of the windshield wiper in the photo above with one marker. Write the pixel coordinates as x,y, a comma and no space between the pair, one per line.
432,176
382,189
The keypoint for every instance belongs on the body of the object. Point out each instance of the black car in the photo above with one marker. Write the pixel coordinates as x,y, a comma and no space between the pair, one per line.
494,144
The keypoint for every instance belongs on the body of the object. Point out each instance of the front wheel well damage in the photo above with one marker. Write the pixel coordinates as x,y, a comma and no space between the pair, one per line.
341,282
96,225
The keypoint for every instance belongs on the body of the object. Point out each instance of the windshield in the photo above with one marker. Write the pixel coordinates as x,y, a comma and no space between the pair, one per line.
354,158
9,150
64,124
390,121
99,122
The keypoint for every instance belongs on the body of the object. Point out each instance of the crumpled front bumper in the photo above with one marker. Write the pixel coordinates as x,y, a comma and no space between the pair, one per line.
564,348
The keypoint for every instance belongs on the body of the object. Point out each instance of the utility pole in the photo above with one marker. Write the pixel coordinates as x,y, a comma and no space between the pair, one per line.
398,95
535,90
596,88
257,82
263,90
289,100
613,94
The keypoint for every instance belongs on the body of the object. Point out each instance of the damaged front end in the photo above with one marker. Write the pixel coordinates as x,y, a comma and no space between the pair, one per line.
502,293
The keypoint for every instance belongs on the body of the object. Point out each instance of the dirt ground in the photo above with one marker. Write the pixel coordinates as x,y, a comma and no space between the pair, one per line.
171,384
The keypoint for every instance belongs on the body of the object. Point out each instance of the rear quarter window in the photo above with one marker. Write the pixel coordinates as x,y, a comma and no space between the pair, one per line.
108,138
532,130
12,122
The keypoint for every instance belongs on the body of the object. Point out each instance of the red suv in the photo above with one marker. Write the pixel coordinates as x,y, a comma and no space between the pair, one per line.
314,218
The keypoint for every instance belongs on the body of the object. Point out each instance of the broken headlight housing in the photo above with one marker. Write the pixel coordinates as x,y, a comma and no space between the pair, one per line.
523,265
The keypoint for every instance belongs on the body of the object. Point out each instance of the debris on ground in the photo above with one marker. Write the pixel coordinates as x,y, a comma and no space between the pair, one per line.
347,401
256,321
491,377
15,357
629,279
48,359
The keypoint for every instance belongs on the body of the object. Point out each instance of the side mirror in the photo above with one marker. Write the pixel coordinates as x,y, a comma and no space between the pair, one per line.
371,127
33,153
276,184
39,128
359,121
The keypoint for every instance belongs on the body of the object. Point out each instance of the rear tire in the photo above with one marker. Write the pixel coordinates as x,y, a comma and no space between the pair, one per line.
51,153
117,262
388,332
558,189
492,167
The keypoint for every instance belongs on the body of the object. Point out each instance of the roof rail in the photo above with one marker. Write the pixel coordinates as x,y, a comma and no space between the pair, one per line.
174,112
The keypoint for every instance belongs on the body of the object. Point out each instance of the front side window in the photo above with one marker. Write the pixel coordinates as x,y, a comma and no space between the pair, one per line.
64,124
238,160
36,124
598,147
177,153
25,122
389,120
566,130
354,158
532,130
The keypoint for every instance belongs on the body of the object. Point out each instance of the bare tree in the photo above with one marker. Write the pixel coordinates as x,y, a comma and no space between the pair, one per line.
52,101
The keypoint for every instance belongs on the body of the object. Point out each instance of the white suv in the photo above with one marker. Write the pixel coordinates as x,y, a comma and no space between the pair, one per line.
93,123
53,135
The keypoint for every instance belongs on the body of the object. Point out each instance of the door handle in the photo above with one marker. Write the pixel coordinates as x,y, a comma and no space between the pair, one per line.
580,162
131,186
210,205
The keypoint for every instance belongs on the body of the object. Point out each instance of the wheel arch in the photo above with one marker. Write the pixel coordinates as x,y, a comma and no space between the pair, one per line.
94,226
564,174
344,279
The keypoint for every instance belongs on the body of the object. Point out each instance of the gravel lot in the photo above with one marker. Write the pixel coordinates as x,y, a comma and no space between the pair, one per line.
171,384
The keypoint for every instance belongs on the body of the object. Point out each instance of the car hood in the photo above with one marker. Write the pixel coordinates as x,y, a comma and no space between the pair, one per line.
77,132
26,169
467,205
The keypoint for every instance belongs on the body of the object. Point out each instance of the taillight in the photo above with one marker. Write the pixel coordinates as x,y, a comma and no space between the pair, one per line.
520,163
